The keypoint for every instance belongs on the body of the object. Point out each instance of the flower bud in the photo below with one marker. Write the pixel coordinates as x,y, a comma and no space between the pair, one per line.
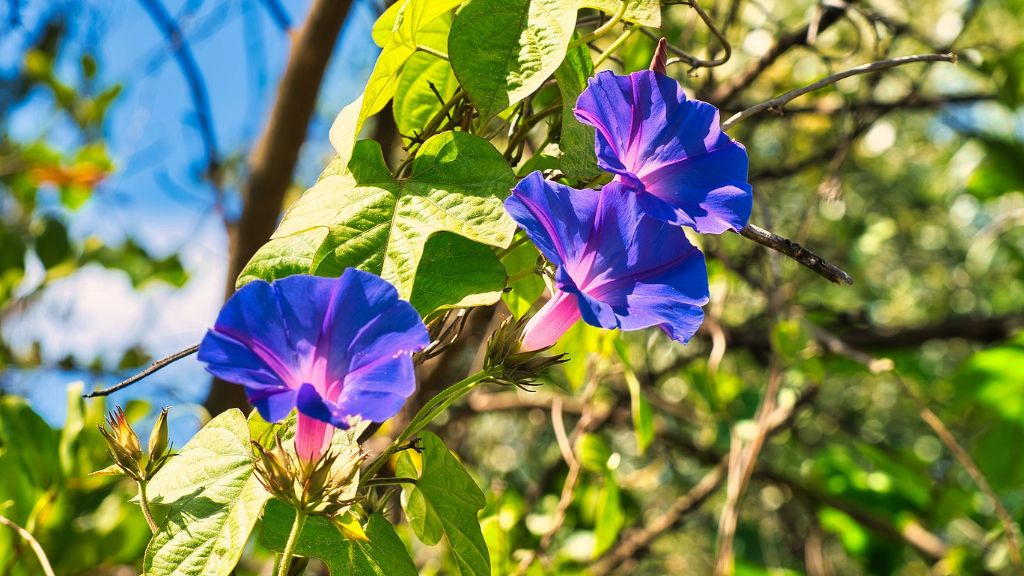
508,363
324,487
159,446
659,63
123,444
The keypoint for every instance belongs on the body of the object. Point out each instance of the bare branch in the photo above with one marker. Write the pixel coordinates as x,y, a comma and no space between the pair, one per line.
797,252
635,541
153,368
779,102
830,14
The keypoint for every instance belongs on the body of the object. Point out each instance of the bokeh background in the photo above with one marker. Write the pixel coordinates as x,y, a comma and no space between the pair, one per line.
125,133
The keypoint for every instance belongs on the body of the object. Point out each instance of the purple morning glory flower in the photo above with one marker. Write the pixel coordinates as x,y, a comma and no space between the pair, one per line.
331,347
670,150
617,268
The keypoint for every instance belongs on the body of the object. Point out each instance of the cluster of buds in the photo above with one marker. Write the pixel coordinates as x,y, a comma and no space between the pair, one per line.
323,487
124,447
507,362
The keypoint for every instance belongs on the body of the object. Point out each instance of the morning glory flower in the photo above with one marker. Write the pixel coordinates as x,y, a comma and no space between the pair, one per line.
670,150
333,348
617,268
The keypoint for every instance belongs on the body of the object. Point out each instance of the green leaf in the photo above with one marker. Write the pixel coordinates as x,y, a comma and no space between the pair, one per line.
643,12
132,259
520,263
423,519
415,102
399,30
378,224
383,555
503,50
643,419
579,160
456,273
609,517
52,244
213,501
593,452
450,494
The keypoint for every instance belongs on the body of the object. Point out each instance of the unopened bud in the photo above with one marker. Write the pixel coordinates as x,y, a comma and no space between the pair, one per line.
659,63
123,444
508,363
159,445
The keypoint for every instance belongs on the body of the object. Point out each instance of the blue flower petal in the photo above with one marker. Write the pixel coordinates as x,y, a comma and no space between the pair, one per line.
662,145
309,402
627,270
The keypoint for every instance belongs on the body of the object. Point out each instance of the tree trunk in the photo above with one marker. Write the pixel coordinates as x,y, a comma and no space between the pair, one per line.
275,155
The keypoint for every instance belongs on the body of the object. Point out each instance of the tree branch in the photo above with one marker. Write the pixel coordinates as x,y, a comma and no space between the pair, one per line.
154,367
275,155
779,102
797,252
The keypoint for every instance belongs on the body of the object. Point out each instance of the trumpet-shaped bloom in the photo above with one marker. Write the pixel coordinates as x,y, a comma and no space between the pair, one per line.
617,268
670,150
331,347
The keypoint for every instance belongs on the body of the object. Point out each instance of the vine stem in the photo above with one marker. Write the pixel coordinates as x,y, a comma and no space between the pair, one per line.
32,542
289,548
144,504
432,409
779,102
615,45
601,31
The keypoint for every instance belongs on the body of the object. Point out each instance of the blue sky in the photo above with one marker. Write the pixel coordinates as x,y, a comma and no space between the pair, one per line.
157,195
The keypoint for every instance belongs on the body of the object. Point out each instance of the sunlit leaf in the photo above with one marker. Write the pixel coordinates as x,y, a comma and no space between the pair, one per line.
503,50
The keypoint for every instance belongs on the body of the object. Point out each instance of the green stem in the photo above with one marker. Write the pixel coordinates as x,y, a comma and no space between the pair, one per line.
431,410
25,535
389,481
289,548
144,504
615,45
616,18
432,52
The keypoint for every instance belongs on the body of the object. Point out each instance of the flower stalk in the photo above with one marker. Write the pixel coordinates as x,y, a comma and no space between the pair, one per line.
293,539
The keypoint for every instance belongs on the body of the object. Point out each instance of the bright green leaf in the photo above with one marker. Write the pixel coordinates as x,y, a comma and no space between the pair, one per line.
503,50
383,555
520,263
456,273
415,102
400,29
378,224
593,452
643,12
423,519
579,160
609,517
450,493
213,501
643,419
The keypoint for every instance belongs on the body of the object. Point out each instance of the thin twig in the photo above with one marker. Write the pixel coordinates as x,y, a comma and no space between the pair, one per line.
32,542
575,467
829,16
634,542
154,367
779,102
880,365
687,58
797,252
742,460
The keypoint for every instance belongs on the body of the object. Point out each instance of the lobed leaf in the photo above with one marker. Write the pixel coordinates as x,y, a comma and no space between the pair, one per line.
213,501
366,219
382,554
